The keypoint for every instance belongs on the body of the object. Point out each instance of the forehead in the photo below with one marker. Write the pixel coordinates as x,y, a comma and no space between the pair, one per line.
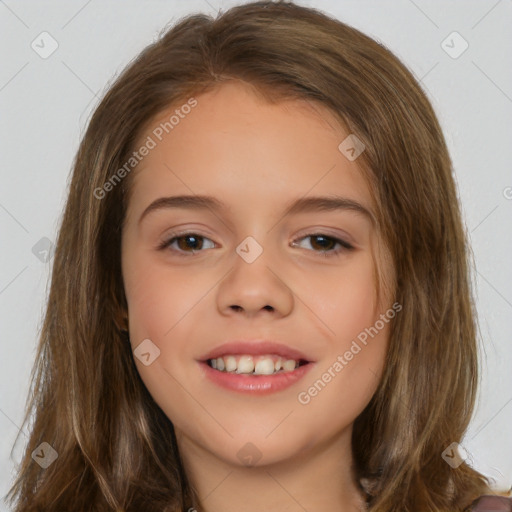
236,145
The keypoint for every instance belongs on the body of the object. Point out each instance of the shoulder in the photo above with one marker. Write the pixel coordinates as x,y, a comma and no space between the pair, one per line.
488,503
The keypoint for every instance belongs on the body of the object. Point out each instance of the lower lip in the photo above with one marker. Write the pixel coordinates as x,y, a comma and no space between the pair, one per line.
255,384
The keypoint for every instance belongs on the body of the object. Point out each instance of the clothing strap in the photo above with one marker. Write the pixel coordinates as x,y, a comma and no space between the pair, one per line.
488,503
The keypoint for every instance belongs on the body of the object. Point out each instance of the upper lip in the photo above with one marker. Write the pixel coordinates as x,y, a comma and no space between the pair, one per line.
255,348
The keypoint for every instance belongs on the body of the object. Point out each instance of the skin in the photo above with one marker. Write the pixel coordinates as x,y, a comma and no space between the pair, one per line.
256,158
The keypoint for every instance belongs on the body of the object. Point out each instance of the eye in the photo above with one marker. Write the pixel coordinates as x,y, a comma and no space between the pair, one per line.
326,243
193,242
186,242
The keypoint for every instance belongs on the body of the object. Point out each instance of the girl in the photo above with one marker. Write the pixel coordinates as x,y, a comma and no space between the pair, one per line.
260,297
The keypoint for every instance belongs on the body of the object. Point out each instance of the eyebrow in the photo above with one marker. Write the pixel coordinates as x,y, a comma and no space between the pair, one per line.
302,205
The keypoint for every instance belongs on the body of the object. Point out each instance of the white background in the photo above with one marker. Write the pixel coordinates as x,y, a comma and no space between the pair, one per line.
46,103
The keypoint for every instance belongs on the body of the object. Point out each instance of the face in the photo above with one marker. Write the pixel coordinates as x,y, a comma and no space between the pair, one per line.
247,267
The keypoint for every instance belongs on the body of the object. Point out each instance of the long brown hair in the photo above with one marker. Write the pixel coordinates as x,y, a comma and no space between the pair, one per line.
116,448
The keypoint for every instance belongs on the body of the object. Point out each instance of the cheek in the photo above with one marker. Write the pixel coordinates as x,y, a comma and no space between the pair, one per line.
160,296
166,305
362,337
349,373
159,303
344,299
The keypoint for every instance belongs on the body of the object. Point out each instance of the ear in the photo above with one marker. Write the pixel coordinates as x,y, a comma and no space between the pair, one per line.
120,318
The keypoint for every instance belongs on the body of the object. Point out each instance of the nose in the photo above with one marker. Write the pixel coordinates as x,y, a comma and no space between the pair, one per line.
254,289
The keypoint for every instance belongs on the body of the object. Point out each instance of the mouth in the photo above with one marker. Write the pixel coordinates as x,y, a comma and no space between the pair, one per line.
270,364
259,367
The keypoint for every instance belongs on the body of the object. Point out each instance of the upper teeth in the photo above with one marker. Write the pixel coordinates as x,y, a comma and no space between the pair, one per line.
259,365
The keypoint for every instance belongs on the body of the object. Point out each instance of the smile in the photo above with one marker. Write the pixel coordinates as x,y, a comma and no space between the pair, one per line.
254,365
254,374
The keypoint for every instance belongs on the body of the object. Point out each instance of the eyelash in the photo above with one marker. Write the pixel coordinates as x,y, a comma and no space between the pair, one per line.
345,246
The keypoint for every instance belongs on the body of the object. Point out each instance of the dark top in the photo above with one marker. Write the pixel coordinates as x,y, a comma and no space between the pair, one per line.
488,503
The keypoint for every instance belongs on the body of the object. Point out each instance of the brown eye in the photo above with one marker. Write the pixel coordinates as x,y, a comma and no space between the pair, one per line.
186,242
325,244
